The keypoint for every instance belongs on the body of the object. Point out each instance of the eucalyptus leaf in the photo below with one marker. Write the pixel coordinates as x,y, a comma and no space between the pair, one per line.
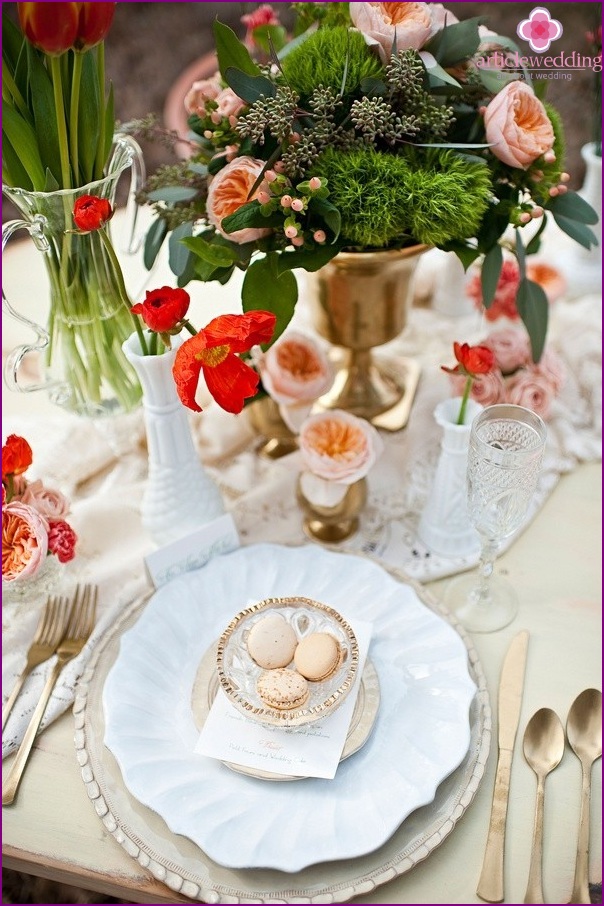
179,255
249,88
153,241
231,52
456,42
172,194
438,76
490,273
577,231
534,244
574,207
520,253
265,289
533,309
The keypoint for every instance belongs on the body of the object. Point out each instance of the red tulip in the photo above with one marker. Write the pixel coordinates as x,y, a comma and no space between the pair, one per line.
57,27
214,350
471,360
163,308
51,27
91,213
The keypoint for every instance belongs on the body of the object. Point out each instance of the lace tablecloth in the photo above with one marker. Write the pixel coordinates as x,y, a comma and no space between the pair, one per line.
80,458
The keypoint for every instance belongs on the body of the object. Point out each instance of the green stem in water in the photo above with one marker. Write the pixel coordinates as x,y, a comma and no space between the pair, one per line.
123,291
57,86
464,399
73,114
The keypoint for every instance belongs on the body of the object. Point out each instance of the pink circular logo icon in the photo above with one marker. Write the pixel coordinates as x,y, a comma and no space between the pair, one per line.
540,29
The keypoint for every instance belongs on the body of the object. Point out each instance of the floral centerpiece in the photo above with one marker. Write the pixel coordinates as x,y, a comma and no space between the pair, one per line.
375,126
34,526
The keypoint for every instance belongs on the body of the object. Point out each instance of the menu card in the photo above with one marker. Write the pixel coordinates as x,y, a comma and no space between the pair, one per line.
313,750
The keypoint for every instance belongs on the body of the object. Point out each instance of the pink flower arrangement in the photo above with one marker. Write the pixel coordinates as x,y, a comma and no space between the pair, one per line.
504,301
33,517
338,449
295,371
515,378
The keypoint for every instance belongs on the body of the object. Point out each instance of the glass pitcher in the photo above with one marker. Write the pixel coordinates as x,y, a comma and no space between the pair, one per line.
84,367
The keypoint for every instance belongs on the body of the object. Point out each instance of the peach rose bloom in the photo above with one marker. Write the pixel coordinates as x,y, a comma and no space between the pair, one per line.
228,191
517,124
487,389
296,369
200,93
510,347
548,277
551,367
229,104
531,389
442,17
24,542
49,502
412,23
338,446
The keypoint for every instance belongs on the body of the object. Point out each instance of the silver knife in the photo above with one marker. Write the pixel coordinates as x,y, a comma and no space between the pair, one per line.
490,885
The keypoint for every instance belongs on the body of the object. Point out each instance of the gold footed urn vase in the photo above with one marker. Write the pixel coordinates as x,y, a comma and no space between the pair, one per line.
360,300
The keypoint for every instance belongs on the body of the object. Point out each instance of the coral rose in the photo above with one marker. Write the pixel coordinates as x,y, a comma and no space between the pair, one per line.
510,347
228,191
338,446
517,124
49,502
531,389
379,23
229,104
551,367
24,541
62,541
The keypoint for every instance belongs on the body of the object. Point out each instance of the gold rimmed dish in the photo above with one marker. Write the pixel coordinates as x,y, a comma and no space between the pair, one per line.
238,673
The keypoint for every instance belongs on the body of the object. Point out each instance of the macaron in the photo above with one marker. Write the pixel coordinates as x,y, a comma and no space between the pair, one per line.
271,641
282,689
317,656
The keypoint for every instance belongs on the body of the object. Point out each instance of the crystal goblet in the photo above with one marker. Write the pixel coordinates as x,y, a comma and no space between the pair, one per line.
504,461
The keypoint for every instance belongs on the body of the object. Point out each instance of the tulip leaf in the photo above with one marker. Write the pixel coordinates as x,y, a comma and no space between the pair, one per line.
265,289
489,275
533,309
89,113
248,87
153,241
231,52
574,207
45,118
22,136
13,171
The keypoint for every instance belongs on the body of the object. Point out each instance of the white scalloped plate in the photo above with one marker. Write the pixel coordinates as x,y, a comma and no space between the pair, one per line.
422,731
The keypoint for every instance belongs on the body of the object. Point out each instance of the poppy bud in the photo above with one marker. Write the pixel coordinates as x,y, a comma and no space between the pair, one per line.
91,213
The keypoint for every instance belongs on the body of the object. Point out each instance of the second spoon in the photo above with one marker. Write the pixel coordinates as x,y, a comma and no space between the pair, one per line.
543,747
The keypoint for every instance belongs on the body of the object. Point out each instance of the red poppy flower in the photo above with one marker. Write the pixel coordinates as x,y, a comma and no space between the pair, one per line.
214,350
471,360
163,308
17,456
91,213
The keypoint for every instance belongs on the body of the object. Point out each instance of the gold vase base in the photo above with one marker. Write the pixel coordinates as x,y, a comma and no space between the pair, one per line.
276,447
330,532
381,391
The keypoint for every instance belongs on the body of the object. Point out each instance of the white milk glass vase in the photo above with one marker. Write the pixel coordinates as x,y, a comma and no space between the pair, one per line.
179,495
444,526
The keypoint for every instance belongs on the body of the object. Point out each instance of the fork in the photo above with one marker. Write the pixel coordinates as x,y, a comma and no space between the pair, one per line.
79,626
48,635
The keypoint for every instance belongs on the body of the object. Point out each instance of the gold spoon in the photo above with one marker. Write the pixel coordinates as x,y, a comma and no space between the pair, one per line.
584,731
543,747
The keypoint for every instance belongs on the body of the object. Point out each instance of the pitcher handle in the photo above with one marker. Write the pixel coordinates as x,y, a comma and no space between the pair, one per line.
128,147
15,358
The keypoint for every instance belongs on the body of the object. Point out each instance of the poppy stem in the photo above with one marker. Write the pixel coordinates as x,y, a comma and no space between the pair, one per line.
122,288
464,399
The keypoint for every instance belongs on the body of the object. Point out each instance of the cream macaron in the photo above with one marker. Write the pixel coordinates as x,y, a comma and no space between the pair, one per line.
318,656
271,642
282,689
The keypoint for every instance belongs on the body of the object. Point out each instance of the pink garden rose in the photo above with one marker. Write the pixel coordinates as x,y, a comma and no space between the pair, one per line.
229,104
24,541
530,388
200,93
517,124
551,367
412,23
49,502
441,17
338,446
487,389
511,348
62,541
228,191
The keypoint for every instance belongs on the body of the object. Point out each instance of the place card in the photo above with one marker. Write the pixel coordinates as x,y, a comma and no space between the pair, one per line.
313,750
192,551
